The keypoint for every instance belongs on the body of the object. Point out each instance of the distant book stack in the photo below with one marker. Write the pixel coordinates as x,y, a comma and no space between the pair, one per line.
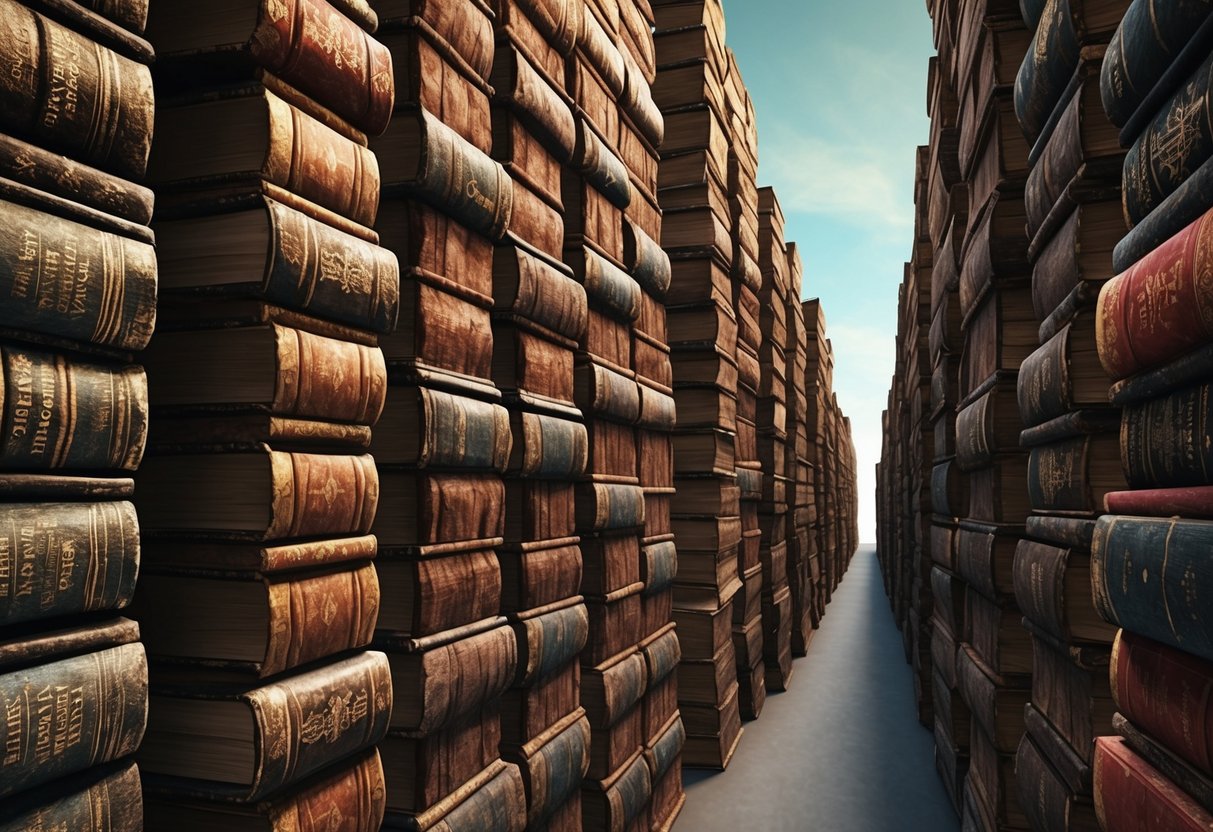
610,221
539,320
799,470
772,424
1154,341
702,332
819,378
80,282
445,440
259,595
1073,222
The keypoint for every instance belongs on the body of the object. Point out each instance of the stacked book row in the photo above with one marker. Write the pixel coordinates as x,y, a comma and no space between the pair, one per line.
80,283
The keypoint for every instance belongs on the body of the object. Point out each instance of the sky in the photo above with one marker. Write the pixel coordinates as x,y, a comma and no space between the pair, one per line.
840,92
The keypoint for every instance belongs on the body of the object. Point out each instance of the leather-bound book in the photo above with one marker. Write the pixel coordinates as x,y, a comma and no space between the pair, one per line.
539,512
106,798
492,801
425,509
77,698
985,554
432,429
553,765
295,40
534,576
529,286
1130,793
1164,440
427,595
996,705
421,769
1079,253
987,428
1074,474
614,802
1053,588
1047,799
549,639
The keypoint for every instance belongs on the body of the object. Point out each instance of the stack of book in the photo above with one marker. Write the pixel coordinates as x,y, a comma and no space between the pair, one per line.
1154,341
609,243
702,331
1073,222
747,281
540,316
772,424
818,381
80,283
259,595
801,548
841,506
445,439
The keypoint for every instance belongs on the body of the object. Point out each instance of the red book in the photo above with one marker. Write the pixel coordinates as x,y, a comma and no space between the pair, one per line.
1131,795
1195,503
1166,693
1162,307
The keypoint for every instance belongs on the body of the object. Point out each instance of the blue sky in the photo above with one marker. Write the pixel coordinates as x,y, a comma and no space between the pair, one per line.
840,91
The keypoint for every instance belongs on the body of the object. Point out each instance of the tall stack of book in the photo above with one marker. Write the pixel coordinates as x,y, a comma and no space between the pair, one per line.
841,505
1154,341
772,423
1073,222
702,329
664,734
259,595
80,282
539,319
445,439
801,550
748,632
615,114
819,391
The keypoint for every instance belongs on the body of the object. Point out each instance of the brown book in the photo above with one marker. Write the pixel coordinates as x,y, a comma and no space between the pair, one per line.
334,792
420,770
544,30
1071,689
651,358
433,429
543,227
534,577
615,624
1079,253
249,134
698,278
600,391
703,634
704,450
423,509
525,157
541,109
552,765
996,634
611,562
493,801
431,76
443,327
483,657
996,703
999,335
467,31
258,495
293,40
538,290
612,453
612,689
614,802
530,712
612,746
539,512
427,595
706,407
590,218
287,372
429,242
549,639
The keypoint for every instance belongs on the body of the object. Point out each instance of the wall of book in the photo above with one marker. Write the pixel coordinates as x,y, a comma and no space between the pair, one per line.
1044,485
488,465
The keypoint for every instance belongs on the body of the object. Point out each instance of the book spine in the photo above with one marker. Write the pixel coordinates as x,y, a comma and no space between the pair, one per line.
1176,142
68,280
58,414
1167,694
73,95
325,378
320,616
1166,442
321,494
1044,382
662,656
547,643
1157,310
557,768
460,180
498,806
455,507
60,559
601,168
520,87
1059,162
485,664
319,269
327,56
457,432
975,448
1038,577
1046,69
551,448
312,160
357,795
1167,607
558,20
1194,502
308,720
545,296
66,716
647,261
603,392
1059,474
611,287
659,566
610,506
1130,794
1150,36
658,411
623,685
453,591
111,803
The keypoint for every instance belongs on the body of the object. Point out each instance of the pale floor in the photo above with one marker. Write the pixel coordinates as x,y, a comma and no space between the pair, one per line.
842,750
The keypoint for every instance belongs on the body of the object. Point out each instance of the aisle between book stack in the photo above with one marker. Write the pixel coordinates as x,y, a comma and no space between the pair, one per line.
1044,486
437,440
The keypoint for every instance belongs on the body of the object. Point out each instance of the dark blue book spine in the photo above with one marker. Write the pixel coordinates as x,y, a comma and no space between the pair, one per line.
1046,70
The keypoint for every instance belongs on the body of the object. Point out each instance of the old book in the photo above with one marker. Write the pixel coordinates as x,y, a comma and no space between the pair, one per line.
614,802
525,158
611,562
1129,792
1148,41
429,74
1079,253
999,335
1074,474
432,244
1161,609
423,158
995,631
536,289
615,623
286,371
353,791
285,257
1064,375
608,287
1186,371
423,769
593,94
320,715
1174,768
613,688
1163,440
603,507
77,699
293,41
428,595
106,798
442,326
433,429
600,391
1053,588
542,109
527,713
995,255
553,765
998,706
424,509
494,801
1155,165
985,555
613,746
549,639
248,134
537,574
468,33
1046,798
987,428
258,495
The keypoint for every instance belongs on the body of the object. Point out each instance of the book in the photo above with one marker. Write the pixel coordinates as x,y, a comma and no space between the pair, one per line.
297,41
1163,440
1074,474
493,801
425,509
1130,792
107,798
77,697
428,428
1192,502
549,639
1078,254
422,769
1053,588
